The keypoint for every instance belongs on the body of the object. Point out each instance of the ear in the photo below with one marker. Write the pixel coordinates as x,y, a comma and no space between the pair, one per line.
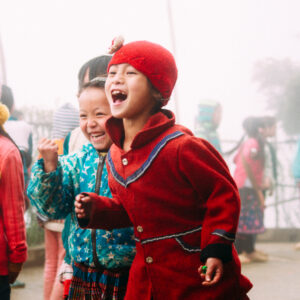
156,94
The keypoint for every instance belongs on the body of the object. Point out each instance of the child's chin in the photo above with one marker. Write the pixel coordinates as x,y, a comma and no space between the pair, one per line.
101,146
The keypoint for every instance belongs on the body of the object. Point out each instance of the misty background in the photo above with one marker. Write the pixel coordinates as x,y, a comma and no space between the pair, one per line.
244,54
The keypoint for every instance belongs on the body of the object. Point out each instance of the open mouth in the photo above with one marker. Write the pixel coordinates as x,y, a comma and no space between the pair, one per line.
96,136
118,96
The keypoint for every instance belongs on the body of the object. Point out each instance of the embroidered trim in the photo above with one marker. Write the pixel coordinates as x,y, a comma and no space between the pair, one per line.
171,236
186,247
137,174
224,234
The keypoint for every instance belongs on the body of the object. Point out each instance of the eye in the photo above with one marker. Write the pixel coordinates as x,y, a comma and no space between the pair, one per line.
82,116
110,73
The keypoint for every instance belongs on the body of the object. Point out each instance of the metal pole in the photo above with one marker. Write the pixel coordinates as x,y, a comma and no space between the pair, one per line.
169,9
2,64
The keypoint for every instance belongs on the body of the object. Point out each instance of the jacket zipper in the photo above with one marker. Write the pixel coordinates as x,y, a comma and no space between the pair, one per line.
97,190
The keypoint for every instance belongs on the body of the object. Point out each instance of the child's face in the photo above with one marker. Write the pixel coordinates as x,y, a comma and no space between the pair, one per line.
129,92
93,111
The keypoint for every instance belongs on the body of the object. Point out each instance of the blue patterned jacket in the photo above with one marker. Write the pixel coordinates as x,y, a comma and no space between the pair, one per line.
53,195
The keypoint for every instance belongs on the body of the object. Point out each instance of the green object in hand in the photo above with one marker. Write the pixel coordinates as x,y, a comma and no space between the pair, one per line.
204,269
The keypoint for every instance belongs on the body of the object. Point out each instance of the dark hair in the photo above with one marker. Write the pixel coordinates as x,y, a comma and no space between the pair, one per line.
98,82
96,66
7,97
251,126
268,121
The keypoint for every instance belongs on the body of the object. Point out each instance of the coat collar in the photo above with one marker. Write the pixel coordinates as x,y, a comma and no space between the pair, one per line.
156,124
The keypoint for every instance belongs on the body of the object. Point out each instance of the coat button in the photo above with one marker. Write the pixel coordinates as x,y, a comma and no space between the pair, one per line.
139,229
124,161
149,260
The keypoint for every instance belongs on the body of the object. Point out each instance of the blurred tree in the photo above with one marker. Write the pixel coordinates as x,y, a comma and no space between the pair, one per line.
279,81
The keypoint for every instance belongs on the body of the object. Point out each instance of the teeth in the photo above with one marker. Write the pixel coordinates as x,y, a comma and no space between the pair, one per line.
95,135
117,92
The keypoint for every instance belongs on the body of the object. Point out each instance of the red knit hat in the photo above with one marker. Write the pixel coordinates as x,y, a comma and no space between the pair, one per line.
153,60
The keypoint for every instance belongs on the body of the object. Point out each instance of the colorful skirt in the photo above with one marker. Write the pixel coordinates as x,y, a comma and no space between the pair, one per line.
102,284
251,219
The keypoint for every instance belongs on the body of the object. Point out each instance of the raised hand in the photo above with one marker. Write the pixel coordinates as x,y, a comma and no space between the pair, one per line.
49,152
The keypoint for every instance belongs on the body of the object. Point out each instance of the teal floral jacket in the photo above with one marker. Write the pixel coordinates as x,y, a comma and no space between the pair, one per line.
53,195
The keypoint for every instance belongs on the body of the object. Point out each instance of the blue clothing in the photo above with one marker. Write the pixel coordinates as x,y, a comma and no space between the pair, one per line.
53,194
205,126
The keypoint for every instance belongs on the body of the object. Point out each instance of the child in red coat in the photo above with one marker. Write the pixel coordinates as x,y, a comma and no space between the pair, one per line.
173,187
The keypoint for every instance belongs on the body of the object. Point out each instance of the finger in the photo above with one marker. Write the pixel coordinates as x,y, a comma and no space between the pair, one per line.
216,278
213,278
78,198
80,216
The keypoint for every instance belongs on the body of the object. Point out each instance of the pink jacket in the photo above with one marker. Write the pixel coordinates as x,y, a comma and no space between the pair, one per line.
13,247
250,149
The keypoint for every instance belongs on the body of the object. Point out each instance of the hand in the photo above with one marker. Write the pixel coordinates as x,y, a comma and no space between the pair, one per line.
12,276
83,205
49,152
13,271
261,199
213,273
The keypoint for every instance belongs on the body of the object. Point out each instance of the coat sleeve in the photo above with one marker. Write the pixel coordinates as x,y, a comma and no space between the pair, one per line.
105,213
53,193
216,190
13,205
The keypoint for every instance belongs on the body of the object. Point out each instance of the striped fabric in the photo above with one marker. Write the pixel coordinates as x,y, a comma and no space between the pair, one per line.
101,284
65,119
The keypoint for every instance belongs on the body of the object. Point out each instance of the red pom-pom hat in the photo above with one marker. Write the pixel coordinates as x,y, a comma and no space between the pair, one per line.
153,60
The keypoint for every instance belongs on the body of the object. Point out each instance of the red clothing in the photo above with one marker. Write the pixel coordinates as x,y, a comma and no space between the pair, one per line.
178,193
250,150
13,247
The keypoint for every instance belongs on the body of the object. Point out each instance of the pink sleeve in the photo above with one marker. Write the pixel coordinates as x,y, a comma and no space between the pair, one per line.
13,205
249,148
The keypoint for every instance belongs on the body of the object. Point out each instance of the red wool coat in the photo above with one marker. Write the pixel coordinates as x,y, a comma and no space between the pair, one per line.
13,246
177,192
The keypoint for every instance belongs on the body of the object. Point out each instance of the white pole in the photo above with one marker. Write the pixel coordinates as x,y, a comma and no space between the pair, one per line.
2,64
169,9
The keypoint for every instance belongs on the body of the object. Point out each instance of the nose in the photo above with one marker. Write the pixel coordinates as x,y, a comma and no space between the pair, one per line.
118,78
91,122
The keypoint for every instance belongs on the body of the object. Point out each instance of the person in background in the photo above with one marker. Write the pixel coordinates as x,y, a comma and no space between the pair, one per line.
65,119
296,174
249,177
173,187
101,259
13,247
207,121
21,133
268,131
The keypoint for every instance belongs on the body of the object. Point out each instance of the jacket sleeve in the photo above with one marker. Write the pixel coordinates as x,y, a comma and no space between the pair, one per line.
52,194
13,205
105,213
216,191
